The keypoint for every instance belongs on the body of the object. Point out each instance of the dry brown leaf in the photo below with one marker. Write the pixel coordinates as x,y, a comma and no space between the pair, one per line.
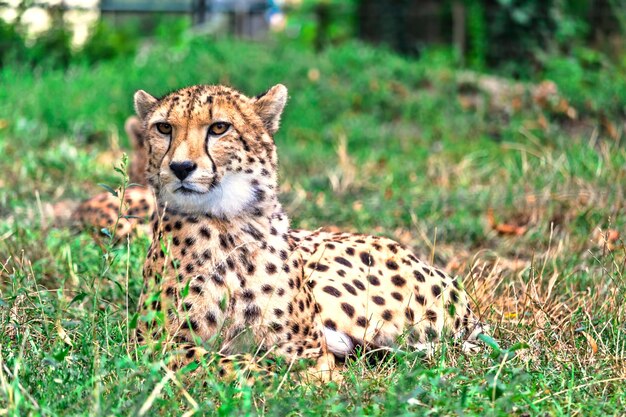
592,343
607,238
63,334
504,228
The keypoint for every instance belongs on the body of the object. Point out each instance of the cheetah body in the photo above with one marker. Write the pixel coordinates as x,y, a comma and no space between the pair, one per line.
225,270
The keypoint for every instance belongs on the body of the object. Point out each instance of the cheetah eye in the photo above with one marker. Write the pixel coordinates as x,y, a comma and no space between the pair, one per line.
218,128
164,128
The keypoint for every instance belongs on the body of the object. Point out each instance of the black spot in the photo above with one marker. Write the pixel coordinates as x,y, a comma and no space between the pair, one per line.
210,318
409,314
278,312
267,289
248,295
436,290
431,315
189,268
397,296
419,276
359,284
178,225
367,259
361,321
176,241
387,315
190,324
230,263
251,312
223,242
332,291
349,288
189,241
205,232
350,251
318,267
217,279
253,231
420,299
391,264
270,268
378,300
343,261
330,324
441,274
341,273
348,309
196,289
277,327
454,296
373,279
398,281
455,283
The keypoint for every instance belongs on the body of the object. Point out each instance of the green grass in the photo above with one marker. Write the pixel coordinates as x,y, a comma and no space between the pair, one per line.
378,144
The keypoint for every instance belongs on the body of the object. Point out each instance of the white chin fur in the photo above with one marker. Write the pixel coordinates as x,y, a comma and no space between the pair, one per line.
337,342
227,199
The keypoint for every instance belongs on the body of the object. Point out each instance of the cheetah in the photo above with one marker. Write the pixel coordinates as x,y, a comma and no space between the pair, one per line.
225,269
106,211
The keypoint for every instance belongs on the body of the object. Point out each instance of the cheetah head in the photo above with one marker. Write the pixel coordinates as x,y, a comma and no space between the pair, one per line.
211,149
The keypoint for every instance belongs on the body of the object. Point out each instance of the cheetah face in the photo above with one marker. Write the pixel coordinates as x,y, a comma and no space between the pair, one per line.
210,148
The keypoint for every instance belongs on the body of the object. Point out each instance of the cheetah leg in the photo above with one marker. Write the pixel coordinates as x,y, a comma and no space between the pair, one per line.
324,369
241,368
473,329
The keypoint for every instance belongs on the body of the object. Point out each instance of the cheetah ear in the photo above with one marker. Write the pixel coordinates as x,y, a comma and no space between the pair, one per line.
269,106
143,103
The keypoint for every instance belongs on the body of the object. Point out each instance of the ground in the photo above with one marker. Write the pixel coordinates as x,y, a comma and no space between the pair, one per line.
515,188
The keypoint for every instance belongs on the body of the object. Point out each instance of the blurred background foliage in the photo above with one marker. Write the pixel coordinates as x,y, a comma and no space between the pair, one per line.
579,44
515,37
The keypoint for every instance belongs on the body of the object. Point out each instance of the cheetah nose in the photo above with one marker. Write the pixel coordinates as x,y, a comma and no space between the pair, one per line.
183,169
